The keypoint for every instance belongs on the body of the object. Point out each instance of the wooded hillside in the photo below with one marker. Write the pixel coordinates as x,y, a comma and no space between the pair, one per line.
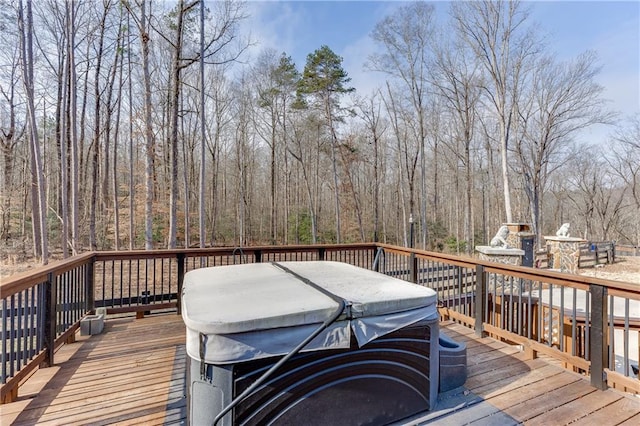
132,124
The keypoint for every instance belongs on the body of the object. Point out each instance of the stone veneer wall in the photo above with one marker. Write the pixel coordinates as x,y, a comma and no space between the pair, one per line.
564,255
516,232
502,258
497,283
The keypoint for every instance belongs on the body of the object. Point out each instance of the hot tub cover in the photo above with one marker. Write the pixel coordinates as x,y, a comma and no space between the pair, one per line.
242,312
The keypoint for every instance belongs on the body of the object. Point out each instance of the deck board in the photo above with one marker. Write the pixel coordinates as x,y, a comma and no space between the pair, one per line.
133,373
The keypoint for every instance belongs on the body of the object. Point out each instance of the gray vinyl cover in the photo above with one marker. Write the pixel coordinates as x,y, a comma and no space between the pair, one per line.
252,311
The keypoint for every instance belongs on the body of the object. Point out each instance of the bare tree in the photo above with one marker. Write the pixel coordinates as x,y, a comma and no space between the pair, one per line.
457,80
95,153
277,78
496,32
407,155
117,67
130,134
562,99
145,39
625,162
325,80
370,112
11,133
219,49
406,38
73,123
39,190
304,153
203,164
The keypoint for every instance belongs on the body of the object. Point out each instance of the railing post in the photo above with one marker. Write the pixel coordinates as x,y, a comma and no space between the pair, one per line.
180,258
413,268
89,287
321,253
598,345
258,256
481,291
49,319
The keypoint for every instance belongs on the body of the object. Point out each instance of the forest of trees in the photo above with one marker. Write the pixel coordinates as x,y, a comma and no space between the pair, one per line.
130,124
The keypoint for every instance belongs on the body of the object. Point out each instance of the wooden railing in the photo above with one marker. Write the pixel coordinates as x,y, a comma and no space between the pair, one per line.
583,326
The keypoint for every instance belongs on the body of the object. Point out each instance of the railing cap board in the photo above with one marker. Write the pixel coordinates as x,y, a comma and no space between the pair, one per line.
208,251
617,288
24,280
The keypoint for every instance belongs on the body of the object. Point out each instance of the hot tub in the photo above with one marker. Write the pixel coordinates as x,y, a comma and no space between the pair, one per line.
341,345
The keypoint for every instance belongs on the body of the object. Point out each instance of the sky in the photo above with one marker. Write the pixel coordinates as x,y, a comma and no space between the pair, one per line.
611,28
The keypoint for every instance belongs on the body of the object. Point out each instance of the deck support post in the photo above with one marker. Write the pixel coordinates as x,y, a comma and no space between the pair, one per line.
180,258
598,345
413,268
480,301
89,287
49,328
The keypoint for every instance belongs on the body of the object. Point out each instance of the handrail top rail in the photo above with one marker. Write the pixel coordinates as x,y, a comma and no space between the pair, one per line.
26,279
224,250
616,288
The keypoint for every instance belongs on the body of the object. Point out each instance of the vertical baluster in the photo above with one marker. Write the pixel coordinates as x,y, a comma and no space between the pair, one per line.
574,322
146,282
550,315
137,282
19,333
540,313
41,316
625,337
74,291
492,310
121,283
519,317
587,323
5,338
113,269
561,321
32,323
12,335
598,340
512,307
129,282
50,317
155,277
181,272
90,289
612,336
104,293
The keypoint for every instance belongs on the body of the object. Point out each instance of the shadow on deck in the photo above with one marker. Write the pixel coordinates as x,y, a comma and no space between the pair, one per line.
133,373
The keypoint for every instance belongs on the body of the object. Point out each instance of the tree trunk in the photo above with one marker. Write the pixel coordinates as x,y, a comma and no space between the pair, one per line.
95,158
132,232
504,161
149,142
39,200
175,100
118,63
75,149
202,183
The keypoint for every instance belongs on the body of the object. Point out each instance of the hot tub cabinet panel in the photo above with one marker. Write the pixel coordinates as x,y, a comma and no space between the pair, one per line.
382,374
384,381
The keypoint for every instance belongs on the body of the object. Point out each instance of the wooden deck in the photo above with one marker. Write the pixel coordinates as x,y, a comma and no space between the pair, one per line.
133,374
